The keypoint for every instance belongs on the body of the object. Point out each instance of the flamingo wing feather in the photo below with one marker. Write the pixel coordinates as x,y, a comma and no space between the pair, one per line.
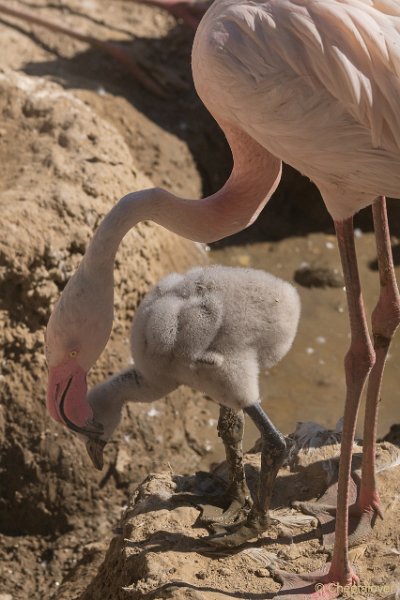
349,49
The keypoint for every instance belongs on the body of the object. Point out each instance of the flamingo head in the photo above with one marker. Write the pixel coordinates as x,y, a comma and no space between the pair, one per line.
76,335
66,396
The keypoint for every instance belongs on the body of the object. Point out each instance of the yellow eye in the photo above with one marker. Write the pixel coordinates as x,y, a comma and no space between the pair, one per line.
73,353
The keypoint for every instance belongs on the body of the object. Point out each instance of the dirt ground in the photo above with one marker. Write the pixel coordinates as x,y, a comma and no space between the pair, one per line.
159,550
76,133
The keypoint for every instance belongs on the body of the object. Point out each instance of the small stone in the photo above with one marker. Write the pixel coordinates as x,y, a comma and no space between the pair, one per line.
64,140
320,276
244,260
201,575
261,572
225,572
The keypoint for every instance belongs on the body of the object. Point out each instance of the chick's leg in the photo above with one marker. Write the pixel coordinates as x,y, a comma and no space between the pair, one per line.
272,456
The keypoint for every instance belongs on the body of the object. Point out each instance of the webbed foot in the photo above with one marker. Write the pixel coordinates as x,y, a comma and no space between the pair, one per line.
233,536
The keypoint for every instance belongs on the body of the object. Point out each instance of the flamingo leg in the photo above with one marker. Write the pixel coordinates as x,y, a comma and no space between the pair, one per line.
230,430
358,363
273,452
365,503
385,320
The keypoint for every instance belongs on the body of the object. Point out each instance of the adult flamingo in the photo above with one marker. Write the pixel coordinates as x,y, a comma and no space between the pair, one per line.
315,83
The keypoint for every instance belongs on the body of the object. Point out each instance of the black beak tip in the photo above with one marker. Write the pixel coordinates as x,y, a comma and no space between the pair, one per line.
95,449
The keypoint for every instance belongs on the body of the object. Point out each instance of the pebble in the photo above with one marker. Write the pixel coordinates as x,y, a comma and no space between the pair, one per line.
201,575
244,260
262,572
320,276
153,412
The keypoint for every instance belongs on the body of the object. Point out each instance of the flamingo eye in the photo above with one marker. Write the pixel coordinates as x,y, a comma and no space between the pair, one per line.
73,353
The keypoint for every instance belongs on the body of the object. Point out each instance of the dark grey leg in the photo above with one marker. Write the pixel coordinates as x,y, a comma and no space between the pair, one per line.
238,498
272,456
273,453
230,430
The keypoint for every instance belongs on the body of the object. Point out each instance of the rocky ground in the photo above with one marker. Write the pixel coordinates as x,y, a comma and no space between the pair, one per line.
76,133
159,550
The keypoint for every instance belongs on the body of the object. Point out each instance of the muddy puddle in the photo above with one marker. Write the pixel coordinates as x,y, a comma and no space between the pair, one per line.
309,382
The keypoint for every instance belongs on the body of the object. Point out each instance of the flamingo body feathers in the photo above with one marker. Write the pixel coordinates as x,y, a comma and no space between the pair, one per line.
316,83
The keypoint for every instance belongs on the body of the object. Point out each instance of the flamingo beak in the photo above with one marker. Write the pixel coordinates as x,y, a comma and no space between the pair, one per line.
66,400
95,447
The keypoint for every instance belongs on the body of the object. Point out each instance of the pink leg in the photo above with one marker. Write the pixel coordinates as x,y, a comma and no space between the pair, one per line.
358,363
385,319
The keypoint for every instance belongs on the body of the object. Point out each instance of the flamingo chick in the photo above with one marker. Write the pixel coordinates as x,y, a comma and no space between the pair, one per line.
212,329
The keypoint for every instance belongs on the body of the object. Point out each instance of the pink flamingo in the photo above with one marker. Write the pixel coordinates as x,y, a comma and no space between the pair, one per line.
315,83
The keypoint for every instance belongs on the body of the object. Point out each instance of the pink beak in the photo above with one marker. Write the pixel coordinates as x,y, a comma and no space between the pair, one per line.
66,399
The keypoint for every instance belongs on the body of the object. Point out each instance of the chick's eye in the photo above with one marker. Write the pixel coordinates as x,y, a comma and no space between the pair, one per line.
73,353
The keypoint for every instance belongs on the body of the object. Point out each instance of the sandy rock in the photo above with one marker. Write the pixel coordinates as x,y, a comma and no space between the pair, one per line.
61,169
160,552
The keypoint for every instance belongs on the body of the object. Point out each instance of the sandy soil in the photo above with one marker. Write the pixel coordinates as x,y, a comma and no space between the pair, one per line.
160,552
68,150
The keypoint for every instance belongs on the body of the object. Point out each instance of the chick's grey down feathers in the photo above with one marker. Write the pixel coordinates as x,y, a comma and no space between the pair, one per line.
212,329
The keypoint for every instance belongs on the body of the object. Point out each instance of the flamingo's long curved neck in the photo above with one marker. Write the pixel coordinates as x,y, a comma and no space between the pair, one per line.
253,179
84,314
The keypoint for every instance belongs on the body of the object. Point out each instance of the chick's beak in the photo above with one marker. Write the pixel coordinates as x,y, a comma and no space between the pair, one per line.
95,447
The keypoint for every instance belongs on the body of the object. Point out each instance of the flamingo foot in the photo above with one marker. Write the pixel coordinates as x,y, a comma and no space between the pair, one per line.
361,524
325,511
233,536
362,517
236,512
319,585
